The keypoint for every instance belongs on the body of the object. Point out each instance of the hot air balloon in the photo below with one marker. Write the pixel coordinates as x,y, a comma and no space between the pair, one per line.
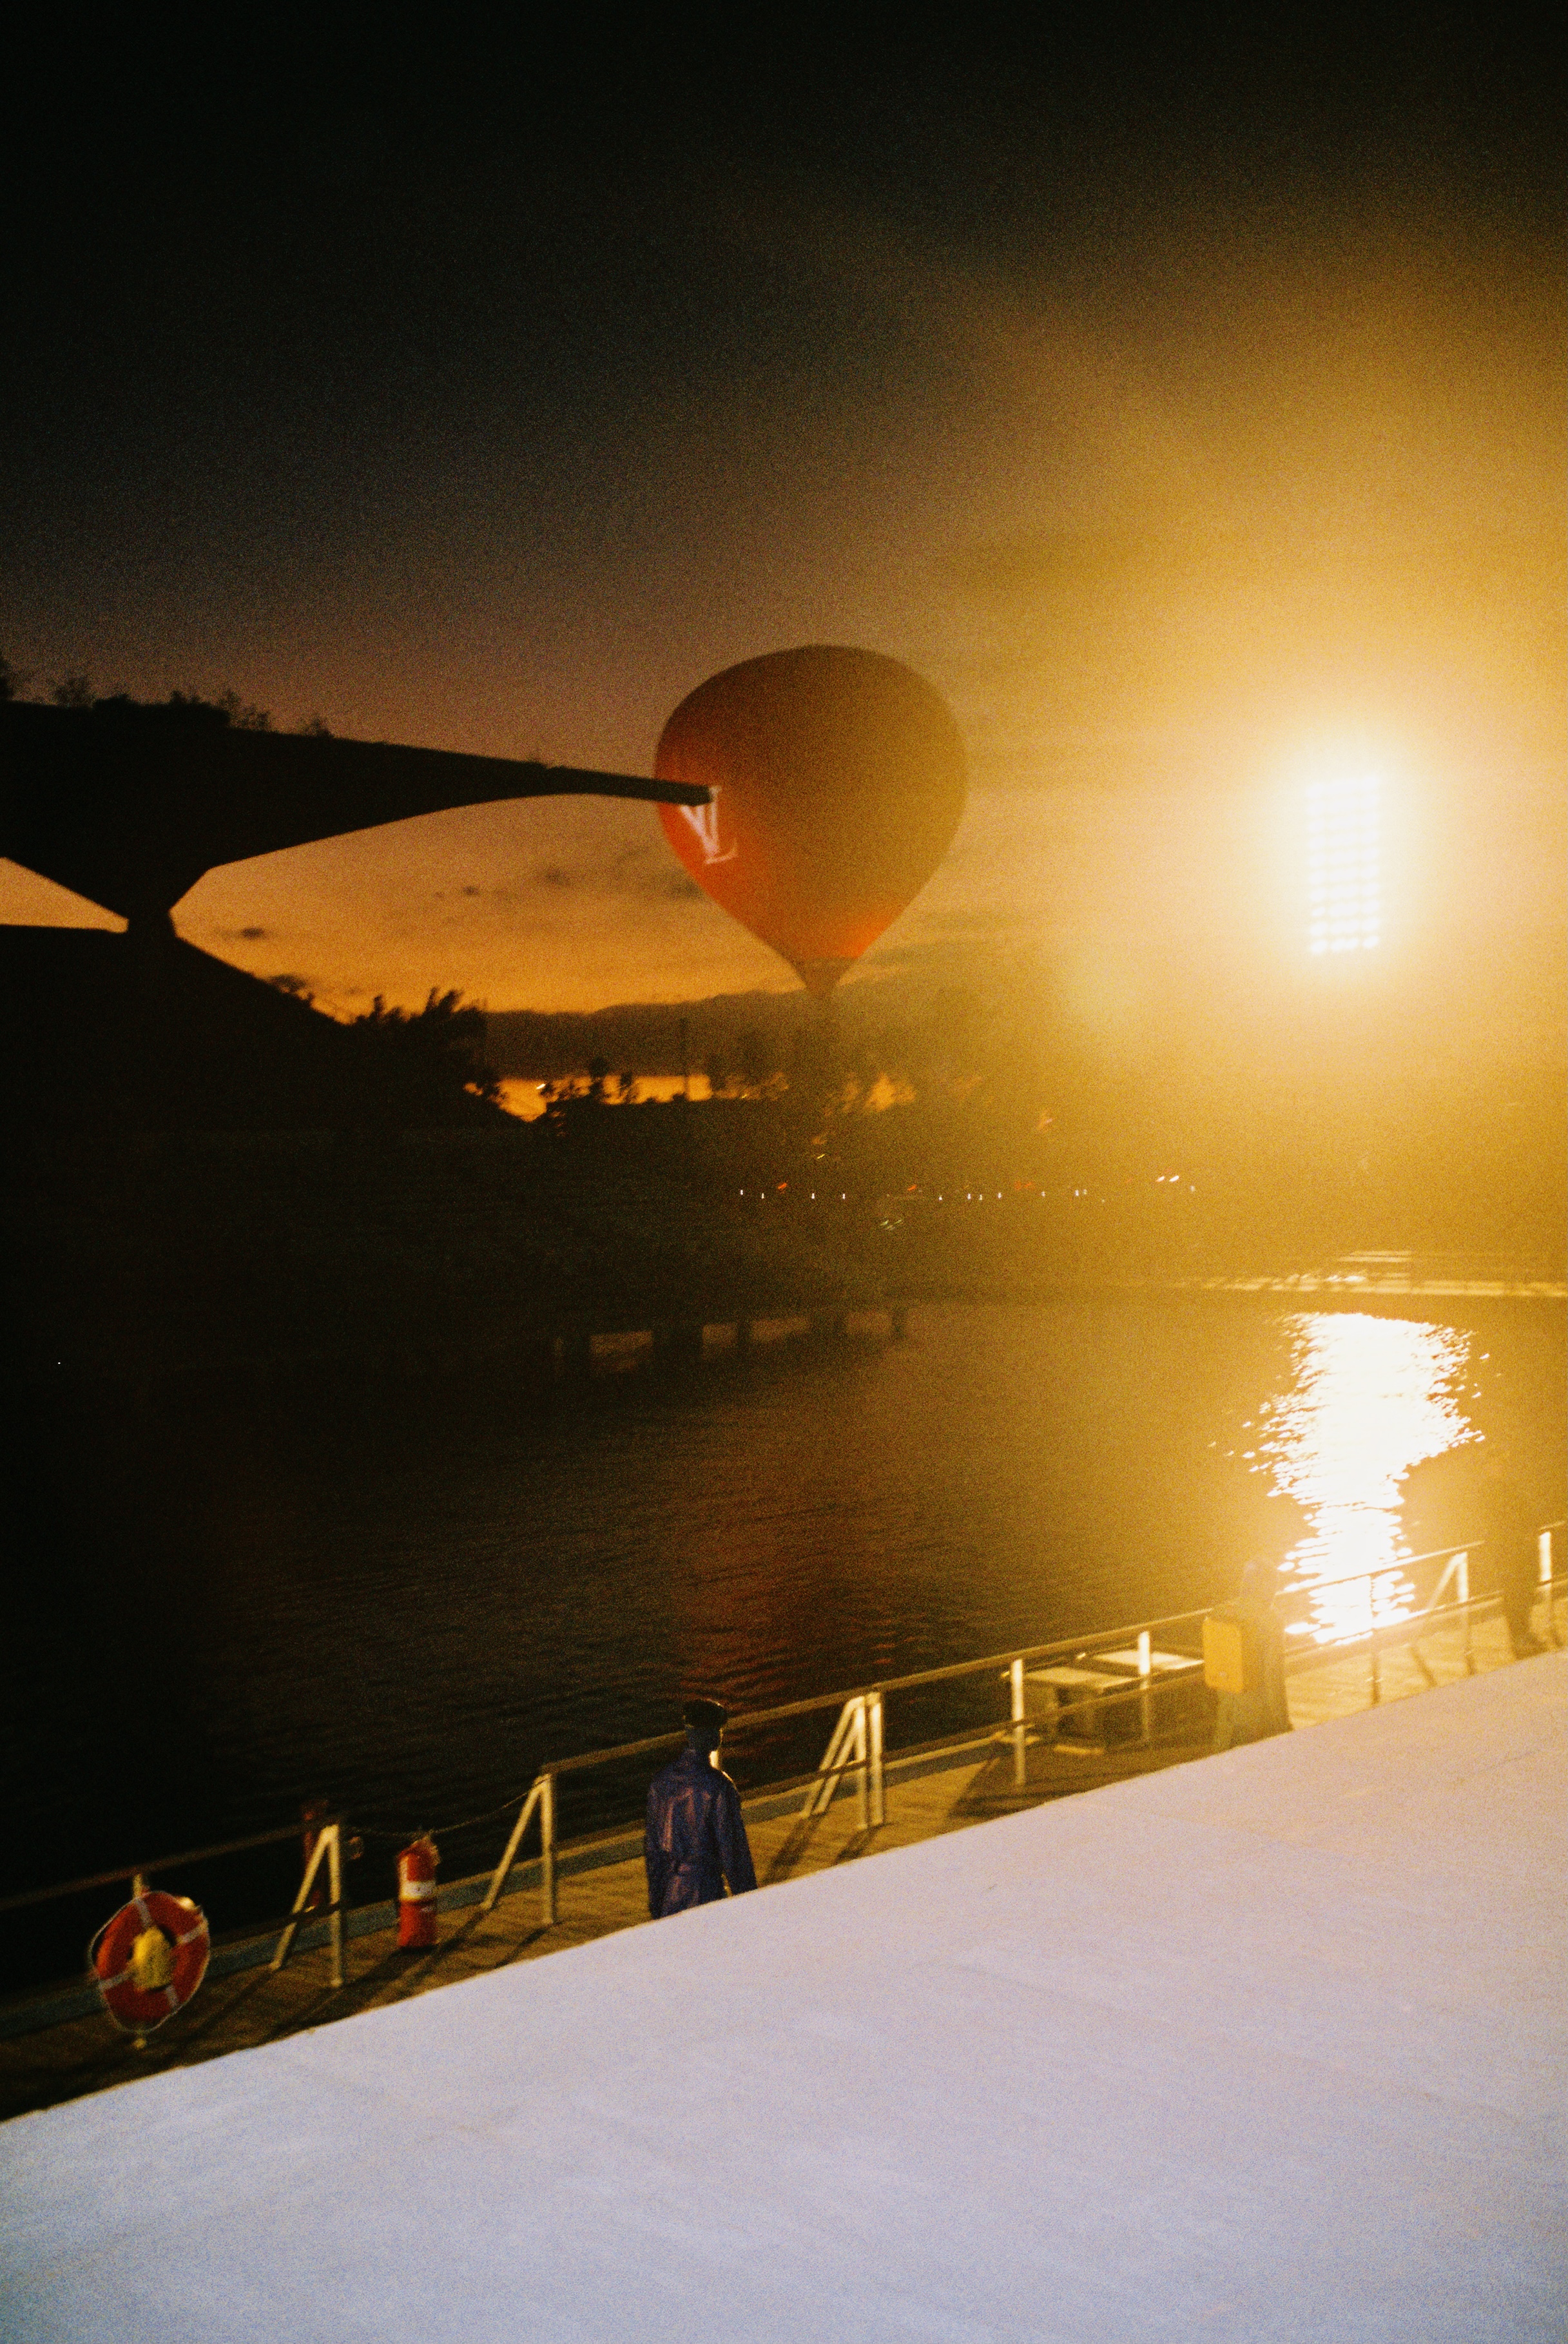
837,782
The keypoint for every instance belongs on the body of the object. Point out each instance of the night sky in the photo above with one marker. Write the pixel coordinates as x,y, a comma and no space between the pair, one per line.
1184,400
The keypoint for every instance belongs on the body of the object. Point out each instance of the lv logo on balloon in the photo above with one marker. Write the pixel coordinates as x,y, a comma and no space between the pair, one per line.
705,821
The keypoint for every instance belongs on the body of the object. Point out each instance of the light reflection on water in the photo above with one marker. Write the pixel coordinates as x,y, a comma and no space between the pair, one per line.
1368,1399
414,1624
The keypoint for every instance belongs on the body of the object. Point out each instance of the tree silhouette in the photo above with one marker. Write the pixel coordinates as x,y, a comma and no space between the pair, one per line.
430,1061
76,689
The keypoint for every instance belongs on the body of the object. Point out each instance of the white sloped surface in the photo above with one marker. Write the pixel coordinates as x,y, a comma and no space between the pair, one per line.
1270,2046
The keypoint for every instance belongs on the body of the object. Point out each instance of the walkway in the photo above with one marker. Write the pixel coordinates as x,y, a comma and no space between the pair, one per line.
1270,2047
249,2007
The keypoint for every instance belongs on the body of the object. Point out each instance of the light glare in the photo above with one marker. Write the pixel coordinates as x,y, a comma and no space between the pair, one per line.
1344,880
1368,1399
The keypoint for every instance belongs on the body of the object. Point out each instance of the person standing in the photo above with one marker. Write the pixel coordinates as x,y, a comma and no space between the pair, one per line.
1257,1707
696,1839
1511,1553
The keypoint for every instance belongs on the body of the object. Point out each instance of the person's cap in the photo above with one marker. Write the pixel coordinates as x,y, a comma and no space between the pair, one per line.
704,1717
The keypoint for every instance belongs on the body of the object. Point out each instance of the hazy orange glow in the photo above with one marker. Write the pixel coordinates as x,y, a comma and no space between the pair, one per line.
1150,545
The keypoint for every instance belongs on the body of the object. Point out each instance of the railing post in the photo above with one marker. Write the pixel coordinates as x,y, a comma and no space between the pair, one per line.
499,1876
1020,1726
862,1804
1543,1573
325,1839
335,1887
547,1848
1144,1677
1461,1580
819,1797
1372,1637
878,1777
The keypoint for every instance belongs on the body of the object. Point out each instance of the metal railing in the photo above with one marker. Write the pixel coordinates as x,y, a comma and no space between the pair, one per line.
330,1844
857,1744
1087,1677
327,1833
1133,1669
1410,1623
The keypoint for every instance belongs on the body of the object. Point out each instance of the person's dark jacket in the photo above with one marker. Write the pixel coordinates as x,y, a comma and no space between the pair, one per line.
696,1839
1509,1559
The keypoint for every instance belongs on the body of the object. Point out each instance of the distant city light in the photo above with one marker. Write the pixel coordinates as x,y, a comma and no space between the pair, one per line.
1344,878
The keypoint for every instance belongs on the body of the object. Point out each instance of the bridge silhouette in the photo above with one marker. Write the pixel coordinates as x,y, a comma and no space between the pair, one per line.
127,805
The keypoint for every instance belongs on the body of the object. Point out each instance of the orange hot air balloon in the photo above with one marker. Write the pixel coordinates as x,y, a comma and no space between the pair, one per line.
838,780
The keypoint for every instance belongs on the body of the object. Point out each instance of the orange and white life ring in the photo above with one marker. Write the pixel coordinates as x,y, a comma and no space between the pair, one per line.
149,1959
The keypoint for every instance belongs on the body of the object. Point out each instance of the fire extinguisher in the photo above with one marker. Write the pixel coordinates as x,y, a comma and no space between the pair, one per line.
417,1892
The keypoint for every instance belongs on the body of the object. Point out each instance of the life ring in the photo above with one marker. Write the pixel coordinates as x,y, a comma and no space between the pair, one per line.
149,1959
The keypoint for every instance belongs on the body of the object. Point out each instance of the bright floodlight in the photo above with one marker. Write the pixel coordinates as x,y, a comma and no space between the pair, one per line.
1344,881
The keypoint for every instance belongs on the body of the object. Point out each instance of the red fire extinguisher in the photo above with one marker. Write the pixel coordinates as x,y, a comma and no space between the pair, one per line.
416,1892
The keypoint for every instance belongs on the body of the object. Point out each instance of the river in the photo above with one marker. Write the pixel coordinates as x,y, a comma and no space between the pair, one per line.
410,1628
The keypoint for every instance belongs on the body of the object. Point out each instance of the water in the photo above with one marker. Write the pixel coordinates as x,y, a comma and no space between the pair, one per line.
411,1629
1366,1401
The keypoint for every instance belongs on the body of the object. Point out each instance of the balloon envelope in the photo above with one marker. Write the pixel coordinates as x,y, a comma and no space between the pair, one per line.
838,782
